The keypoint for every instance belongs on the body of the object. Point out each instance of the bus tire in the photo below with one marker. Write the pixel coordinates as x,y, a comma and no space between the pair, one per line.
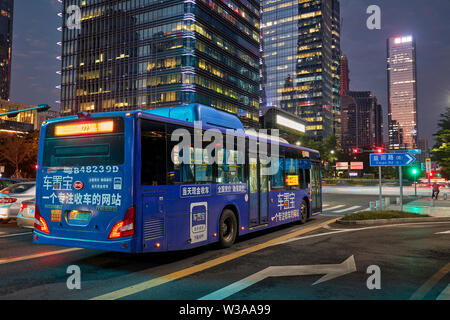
304,212
227,229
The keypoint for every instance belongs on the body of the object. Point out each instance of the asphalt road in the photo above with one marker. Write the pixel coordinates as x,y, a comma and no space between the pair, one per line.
413,262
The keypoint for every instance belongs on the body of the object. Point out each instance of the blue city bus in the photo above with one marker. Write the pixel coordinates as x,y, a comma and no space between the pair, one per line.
114,181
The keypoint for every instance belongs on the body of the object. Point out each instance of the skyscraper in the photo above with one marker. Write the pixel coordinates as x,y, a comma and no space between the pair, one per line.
362,121
301,57
6,35
402,92
345,75
145,54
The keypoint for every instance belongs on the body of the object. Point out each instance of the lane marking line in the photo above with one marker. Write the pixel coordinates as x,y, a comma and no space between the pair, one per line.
445,232
348,209
445,295
336,207
146,285
430,283
334,230
37,255
15,234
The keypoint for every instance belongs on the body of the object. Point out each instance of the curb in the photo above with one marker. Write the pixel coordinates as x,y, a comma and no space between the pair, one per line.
393,221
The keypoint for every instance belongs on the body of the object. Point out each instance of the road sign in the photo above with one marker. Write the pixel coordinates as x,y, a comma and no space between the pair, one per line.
428,167
415,151
391,159
341,165
357,165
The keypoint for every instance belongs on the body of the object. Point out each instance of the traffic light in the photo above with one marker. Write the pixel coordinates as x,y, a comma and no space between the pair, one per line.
379,150
355,151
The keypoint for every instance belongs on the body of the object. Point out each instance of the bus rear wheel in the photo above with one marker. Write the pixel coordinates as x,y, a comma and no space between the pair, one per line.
227,229
304,212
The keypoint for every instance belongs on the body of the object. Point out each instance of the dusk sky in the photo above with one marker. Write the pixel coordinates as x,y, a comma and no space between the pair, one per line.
34,77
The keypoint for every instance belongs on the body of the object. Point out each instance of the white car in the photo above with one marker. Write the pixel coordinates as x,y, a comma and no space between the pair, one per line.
12,197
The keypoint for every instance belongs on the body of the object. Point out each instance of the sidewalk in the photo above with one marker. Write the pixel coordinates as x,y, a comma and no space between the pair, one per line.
440,208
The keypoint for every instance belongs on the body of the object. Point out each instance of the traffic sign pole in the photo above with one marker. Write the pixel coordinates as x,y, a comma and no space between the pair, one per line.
401,187
381,188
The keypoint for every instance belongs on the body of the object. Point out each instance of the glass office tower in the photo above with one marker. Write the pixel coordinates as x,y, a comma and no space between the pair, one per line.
301,58
402,92
145,54
6,35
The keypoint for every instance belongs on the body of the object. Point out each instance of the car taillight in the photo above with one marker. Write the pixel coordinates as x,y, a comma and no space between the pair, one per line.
39,223
23,206
7,200
126,227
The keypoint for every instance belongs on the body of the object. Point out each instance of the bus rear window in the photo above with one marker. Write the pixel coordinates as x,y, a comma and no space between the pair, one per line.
74,150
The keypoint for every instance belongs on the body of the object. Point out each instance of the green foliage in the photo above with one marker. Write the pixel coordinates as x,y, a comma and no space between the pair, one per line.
19,152
441,150
328,151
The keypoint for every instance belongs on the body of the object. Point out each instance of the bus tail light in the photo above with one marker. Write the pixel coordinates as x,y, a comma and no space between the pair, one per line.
39,223
126,227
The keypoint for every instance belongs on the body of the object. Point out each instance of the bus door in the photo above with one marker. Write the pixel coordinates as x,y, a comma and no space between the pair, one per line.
316,187
259,193
153,165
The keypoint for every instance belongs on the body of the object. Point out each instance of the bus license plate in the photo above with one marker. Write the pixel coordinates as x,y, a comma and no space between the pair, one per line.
79,215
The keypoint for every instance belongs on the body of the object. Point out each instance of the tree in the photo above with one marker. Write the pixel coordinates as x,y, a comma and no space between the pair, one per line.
20,151
327,149
441,150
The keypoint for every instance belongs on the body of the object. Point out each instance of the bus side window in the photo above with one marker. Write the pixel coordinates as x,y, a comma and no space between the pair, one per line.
307,173
153,153
178,171
229,170
277,180
291,171
203,170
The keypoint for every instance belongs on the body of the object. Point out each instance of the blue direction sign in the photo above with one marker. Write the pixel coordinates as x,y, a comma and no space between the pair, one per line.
414,151
391,159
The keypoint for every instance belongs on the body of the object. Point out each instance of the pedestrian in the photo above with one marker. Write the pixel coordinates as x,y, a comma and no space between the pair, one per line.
435,193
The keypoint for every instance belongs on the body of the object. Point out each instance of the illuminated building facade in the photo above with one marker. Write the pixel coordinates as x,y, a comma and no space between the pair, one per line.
25,121
345,75
362,121
402,92
6,35
301,57
145,54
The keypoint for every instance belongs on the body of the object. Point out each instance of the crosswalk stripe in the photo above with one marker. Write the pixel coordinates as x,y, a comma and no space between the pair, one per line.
336,207
347,209
325,205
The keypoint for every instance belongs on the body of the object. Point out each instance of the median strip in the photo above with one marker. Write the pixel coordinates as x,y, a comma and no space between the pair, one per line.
206,265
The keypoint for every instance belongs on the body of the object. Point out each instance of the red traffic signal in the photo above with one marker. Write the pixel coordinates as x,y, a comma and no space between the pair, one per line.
355,151
379,150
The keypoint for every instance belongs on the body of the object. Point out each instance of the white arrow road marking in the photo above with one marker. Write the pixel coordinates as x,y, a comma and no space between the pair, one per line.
445,232
347,209
336,207
330,271
445,295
